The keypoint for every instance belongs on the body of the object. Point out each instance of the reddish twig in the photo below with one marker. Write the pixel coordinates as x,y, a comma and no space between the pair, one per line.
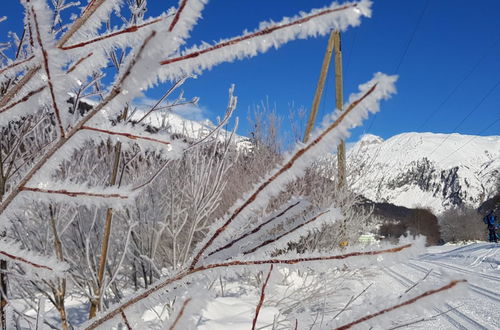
177,15
253,35
299,260
23,260
24,99
124,317
130,29
13,65
77,63
269,241
73,193
285,167
256,229
262,297
127,135
179,315
161,285
405,303
89,6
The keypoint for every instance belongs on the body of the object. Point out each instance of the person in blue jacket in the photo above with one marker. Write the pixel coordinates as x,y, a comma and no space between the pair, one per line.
490,220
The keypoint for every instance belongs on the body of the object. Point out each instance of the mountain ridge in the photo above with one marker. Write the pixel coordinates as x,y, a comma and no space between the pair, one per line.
432,170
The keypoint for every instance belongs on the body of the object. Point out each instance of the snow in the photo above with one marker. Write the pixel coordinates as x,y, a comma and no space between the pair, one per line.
382,165
479,263
472,308
370,139
234,313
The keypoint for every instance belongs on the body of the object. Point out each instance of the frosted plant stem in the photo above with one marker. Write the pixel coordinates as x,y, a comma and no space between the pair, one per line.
446,287
45,55
63,140
113,312
262,297
17,87
91,8
283,169
253,35
94,304
179,315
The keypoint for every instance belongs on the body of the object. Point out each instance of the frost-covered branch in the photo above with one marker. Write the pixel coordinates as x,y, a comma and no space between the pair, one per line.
381,87
127,135
180,314
261,298
163,285
73,193
131,29
317,22
89,10
426,294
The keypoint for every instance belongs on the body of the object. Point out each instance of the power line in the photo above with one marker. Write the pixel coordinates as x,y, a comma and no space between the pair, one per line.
460,83
412,36
407,47
490,91
448,97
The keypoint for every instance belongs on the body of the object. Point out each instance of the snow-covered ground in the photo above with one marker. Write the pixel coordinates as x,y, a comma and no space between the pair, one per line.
479,263
328,293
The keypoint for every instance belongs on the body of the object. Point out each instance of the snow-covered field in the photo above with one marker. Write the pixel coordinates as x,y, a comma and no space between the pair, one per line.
479,263
477,308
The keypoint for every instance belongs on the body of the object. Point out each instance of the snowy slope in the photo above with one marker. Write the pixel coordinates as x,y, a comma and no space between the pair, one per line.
193,129
439,171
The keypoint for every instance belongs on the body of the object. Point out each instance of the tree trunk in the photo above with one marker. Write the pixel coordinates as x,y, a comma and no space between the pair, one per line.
60,291
94,303
3,293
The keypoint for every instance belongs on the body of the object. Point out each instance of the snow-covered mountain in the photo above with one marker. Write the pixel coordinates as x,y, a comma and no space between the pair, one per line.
193,129
438,171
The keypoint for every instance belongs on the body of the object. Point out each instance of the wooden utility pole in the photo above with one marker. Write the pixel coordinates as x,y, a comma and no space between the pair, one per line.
334,45
319,88
339,102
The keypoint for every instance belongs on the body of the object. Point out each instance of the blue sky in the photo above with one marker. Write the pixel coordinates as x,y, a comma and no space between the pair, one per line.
451,69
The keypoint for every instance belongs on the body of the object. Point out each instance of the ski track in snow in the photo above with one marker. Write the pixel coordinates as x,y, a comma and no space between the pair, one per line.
479,263
456,320
463,270
495,296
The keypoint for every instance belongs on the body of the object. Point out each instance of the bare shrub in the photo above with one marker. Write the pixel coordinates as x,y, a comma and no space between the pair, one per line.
457,225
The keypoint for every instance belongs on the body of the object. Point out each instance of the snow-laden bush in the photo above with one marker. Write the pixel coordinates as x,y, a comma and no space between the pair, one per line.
70,172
